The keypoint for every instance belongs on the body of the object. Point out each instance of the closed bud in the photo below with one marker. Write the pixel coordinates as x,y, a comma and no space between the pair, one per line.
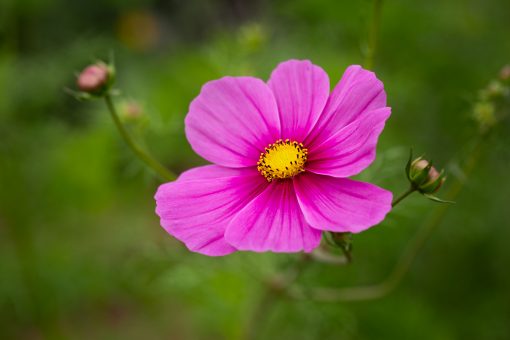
495,89
484,114
252,37
424,177
95,79
504,74
342,240
131,110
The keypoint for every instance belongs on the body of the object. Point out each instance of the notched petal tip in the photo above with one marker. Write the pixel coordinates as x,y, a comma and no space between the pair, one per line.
301,90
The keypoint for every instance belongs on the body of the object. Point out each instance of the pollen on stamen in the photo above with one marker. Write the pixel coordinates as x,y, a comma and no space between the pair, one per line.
282,159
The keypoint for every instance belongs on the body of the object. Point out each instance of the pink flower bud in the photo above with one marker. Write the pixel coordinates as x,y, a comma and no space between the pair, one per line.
504,74
93,78
133,110
425,182
422,164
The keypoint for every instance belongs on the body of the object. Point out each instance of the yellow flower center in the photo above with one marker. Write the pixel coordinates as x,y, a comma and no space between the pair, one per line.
283,159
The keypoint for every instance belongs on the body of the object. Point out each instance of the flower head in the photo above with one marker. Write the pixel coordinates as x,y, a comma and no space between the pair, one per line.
281,154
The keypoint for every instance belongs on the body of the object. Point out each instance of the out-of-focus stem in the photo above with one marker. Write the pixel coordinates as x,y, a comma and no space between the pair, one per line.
273,291
403,265
323,255
373,34
156,166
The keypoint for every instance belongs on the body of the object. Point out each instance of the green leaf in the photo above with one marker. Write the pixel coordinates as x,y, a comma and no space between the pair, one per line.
437,199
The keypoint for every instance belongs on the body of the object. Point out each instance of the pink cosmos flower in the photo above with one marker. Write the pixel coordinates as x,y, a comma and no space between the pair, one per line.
282,152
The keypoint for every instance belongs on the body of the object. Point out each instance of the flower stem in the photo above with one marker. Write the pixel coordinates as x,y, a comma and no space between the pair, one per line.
156,166
373,34
268,299
402,196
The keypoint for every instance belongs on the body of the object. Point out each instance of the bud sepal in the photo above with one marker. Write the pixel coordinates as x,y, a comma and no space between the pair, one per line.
342,241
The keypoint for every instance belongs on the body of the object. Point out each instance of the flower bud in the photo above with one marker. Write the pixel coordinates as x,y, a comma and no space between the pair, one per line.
252,37
504,74
484,114
131,110
95,79
342,241
495,89
424,177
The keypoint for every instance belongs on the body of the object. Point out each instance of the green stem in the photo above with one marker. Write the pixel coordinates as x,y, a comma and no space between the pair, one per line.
373,34
402,196
158,168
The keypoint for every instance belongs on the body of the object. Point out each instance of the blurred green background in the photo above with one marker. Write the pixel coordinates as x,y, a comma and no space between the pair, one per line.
82,255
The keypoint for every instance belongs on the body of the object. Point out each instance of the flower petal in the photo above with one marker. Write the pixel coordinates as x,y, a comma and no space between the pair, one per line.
273,221
341,204
197,207
358,92
232,120
351,149
301,90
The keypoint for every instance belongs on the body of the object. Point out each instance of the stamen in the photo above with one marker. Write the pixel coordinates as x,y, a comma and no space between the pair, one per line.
283,159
